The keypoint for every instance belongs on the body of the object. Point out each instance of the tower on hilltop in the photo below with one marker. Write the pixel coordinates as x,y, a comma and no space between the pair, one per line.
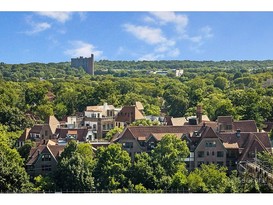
86,63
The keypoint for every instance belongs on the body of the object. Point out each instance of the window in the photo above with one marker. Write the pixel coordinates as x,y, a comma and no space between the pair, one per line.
211,144
220,154
46,132
207,153
46,157
94,127
128,145
151,145
46,167
200,154
212,153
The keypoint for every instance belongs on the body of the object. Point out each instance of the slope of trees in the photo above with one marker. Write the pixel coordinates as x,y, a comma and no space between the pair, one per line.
242,89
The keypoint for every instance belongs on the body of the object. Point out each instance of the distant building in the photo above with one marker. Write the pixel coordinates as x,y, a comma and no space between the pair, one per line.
86,63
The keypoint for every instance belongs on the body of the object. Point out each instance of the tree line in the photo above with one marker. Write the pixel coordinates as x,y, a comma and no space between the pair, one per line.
110,169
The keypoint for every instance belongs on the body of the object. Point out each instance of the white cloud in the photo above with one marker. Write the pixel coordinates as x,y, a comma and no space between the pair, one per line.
36,27
61,17
80,48
151,57
180,21
145,33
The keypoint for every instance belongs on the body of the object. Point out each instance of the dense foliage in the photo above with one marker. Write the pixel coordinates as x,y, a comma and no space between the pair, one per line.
31,92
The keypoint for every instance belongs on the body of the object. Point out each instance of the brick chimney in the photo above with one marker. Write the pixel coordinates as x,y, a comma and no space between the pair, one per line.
199,114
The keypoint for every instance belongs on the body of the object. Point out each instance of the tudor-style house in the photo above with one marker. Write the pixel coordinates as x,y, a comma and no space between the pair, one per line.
43,158
225,142
137,139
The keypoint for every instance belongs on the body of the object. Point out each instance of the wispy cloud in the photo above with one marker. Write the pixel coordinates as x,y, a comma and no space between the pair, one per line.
180,21
80,48
36,27
152,36
165,31
61,17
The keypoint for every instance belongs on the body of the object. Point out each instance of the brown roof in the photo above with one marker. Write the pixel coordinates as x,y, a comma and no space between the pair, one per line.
24,135
244,138
53,150
81,133
129,114
208,132
36,129
225,119
245,125
145,131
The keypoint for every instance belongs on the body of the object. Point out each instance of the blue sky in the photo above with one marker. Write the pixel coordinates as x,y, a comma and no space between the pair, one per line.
57,36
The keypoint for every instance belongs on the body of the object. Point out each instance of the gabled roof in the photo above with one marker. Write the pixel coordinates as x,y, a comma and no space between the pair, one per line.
244,138
24,135
145,131
208,133
45,148
254,145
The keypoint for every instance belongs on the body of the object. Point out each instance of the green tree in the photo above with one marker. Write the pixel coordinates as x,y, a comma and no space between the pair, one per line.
75,168
13,177
25,149
221,82
112,132
112,167
44,183
142,171
170,153
210,178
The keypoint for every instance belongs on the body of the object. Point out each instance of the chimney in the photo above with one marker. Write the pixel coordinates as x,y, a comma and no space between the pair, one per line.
199,114
238,133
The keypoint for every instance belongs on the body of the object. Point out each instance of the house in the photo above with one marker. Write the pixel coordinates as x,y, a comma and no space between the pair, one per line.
39,131
127,115
43,158
137,139
243,146
79,134
24,136
100,119
208,149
